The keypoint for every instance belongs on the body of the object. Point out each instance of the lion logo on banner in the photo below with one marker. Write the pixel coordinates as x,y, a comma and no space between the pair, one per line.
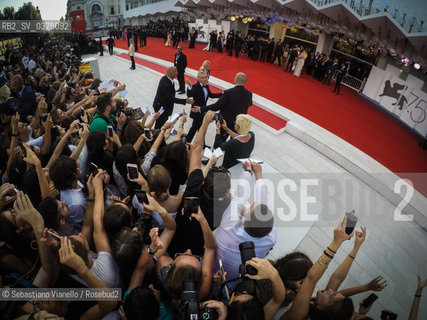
392,92
201,32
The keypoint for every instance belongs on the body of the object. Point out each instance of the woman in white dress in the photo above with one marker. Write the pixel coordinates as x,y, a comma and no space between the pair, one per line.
168,39
301,59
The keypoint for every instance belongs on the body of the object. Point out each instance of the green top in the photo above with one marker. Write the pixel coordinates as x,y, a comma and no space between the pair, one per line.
99,124
234,149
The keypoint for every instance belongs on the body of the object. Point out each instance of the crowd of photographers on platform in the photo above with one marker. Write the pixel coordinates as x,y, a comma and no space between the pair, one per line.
92,196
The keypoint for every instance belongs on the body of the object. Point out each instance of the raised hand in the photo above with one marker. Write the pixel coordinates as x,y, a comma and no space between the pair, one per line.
264,267
69,258
377,284
26,211
195,109
156,243
339,233
7,194
360,237
31,157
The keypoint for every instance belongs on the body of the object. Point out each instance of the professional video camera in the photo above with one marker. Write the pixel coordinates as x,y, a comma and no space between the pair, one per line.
189,309
247,252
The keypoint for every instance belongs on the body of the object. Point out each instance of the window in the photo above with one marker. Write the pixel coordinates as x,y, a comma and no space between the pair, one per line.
96,7
112,10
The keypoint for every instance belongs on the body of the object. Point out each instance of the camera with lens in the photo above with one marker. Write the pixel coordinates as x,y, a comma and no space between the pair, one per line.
189,309
247,252
184,138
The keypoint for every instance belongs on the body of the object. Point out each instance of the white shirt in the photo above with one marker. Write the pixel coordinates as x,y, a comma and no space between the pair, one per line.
31,64
231,231
104,268
76,202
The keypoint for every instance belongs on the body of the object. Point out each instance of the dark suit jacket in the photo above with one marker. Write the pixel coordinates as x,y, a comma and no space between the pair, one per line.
198,95
27,102
333,68
181,62
233,101
165,96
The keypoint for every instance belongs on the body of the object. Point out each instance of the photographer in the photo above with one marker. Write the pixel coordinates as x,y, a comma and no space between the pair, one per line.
255,304
105,115
240,224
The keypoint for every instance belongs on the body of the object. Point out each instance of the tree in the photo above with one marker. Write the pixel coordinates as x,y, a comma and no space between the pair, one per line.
9,13
28,12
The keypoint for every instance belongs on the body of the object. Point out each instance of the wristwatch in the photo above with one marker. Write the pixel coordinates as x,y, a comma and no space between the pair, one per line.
150,251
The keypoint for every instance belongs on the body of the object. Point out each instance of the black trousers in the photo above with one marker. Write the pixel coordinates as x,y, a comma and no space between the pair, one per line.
279,58
195,126
289,65
163,117
110,49
181,81
133,62
337,85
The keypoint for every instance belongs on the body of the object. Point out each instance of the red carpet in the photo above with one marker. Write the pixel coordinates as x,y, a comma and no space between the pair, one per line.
345,115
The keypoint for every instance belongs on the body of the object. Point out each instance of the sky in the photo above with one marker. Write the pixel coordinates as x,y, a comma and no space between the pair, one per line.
49,9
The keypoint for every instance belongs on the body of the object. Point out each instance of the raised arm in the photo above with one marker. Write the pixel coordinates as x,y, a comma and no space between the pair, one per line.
413,315
84,134
26,211
62,143
170,225
13,145
70,259
196,154
339,275
31,158
267,271
208,255
376,284
301,305
99,235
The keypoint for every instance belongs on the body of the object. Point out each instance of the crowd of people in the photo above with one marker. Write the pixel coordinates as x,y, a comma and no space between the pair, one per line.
96,194
294,58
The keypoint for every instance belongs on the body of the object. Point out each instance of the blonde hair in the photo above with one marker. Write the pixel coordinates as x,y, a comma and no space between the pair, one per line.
159,181
205,63
244,122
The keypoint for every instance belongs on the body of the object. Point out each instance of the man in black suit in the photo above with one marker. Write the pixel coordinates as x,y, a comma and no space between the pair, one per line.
180,63
292,55
200,92
342,71
110,43
331,71
233,102
165,97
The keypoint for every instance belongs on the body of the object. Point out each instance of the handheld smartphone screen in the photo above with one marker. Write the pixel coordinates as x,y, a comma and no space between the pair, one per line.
370,300
351,222
191,205
132,171
174,132
110,131
142,196
147,133
93,169
21,146
140,113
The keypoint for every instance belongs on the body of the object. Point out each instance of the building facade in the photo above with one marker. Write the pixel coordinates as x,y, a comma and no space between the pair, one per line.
98,13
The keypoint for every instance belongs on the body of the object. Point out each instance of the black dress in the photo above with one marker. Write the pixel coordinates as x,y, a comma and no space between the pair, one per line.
193,40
